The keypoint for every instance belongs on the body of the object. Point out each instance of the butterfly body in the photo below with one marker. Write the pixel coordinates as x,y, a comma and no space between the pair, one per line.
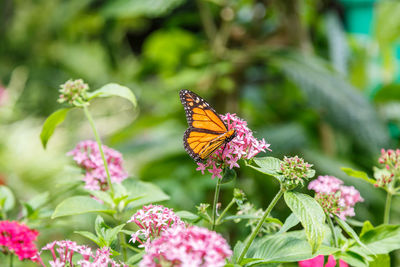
206,132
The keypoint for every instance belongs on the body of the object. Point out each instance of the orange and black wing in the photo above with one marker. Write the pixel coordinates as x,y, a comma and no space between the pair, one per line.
200,114
206,132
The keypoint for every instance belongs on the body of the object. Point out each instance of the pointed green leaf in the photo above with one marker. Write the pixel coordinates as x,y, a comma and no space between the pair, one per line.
79,205
143,193
352,234
187,215
358,174
291,221
51,123
366,227
89,236
268,165
7,197
113,89
381,239
287,247
310,214
229,175
382,260
112,234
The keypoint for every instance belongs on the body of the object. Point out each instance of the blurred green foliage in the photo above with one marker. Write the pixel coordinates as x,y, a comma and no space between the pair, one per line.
274,63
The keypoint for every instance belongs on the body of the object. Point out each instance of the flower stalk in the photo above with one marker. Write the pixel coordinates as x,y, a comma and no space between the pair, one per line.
332,228
216,196
388,203
224,211
260,223
97,137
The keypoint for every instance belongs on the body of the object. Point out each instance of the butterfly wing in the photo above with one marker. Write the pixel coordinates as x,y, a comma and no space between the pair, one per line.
200,114
206,132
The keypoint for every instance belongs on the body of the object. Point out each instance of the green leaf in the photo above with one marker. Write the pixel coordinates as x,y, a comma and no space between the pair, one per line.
358,174
352,234
381,239
268,165
148,192
113,89
291,221
366,227
89,236
187,215
382,260
103,196
229,175
112,234
310,214
286,247
79,205
135,258
352,258
7,197
237,250
39,200
135,8
99,226
51,123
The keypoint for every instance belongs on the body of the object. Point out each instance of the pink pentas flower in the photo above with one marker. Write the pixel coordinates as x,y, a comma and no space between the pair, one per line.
334,197
153,220
390,159
18,239
87,155
187,247
63,252
295,170
319,261
243,146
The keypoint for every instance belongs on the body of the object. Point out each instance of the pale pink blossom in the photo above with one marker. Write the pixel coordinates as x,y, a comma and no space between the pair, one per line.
63,252
87,155
319,261
153,220
17,238
187,247
73,92
243,146
334,197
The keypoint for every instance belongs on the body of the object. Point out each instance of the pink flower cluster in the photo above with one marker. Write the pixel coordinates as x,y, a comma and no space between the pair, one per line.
87,156
153,220
243,146
320,260
19,239
187,247
73,91
334,197
294,170
391,160
66,250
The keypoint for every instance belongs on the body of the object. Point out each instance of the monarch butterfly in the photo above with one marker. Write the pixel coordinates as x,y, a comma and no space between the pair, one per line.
206,132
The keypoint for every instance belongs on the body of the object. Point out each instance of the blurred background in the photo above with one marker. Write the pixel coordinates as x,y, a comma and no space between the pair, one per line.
316,78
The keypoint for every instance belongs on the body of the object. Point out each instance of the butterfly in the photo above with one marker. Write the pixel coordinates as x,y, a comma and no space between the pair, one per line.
206,132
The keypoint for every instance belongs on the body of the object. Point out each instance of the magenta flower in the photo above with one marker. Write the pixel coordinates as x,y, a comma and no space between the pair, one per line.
187,247
319,262
87,155
73,92
18,239
243,146
334,197
64,250
153,220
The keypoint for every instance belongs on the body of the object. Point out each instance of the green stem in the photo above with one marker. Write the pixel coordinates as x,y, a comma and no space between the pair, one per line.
96,135
123,246
225,210
11,259
216,196
260,223
387,208
330,223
